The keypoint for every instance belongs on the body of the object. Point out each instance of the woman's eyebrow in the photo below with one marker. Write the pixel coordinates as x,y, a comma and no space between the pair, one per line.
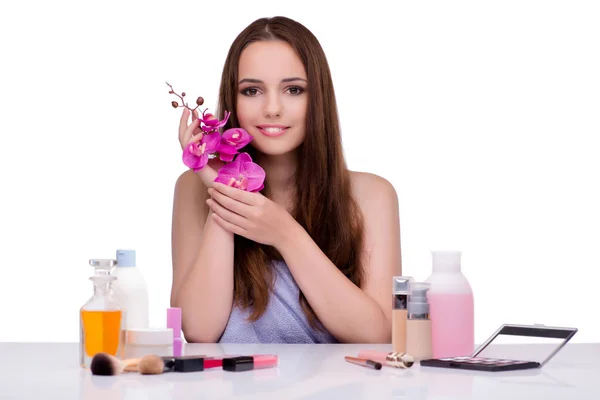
251,80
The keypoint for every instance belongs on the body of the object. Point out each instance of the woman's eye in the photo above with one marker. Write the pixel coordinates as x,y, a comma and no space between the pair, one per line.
250,92
295,90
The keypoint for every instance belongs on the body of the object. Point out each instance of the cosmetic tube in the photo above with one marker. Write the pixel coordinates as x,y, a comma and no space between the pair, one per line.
194,363
418,325
247,363
400,292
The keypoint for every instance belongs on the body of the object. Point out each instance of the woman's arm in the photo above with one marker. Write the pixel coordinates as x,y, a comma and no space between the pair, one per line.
202,253
350,314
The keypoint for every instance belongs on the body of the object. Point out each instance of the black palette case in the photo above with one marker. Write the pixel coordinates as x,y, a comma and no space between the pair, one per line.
473,362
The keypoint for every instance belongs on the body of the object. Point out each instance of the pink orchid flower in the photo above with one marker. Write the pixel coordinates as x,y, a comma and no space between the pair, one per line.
195,154
210,123
242,174
231,141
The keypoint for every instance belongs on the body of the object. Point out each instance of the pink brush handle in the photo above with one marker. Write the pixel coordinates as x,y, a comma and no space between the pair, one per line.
374,355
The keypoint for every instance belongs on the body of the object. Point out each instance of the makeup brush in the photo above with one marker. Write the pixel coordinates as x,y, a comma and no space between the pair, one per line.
151,365
107,364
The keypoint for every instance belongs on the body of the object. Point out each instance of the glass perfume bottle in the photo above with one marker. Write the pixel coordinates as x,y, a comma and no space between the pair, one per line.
101,318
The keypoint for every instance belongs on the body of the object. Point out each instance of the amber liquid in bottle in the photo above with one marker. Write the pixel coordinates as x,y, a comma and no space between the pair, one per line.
101,331
101,323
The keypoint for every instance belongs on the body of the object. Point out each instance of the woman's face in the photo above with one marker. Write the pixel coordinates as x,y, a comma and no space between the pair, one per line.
272,96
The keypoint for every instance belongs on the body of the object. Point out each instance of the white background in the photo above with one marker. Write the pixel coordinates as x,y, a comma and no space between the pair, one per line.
483,115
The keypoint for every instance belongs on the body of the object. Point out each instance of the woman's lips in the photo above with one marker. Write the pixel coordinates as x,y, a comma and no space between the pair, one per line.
273,130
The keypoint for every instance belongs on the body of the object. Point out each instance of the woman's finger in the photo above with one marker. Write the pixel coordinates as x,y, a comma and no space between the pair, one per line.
189,132
196,138
226,214
183,122
194,118
229,203
230,227
238,194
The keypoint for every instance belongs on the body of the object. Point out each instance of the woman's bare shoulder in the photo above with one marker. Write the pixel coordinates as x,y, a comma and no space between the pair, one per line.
369,189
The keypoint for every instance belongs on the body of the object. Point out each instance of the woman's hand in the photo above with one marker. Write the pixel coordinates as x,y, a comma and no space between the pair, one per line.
189,133
250,215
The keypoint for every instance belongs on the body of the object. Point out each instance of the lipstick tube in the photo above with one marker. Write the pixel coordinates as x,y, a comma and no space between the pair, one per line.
194,363
248,363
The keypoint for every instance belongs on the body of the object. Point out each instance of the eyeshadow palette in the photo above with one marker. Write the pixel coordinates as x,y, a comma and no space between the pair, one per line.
493,364
480,363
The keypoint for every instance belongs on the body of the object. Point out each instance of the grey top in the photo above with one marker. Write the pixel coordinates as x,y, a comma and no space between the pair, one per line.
282,322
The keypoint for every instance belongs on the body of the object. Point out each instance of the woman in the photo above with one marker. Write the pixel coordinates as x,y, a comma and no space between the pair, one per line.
310,258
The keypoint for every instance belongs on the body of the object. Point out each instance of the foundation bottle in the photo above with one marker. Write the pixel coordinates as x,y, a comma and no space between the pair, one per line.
400,290
101,317
418,324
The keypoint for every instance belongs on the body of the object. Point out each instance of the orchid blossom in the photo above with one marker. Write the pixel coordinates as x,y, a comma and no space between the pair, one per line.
195,154
243,174
231,141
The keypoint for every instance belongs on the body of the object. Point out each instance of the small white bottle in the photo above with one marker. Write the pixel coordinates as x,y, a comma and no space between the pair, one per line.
131,290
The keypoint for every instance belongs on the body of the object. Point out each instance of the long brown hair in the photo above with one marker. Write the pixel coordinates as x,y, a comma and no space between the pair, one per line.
324,205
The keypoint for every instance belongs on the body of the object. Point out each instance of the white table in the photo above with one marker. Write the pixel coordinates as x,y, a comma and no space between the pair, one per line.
51,371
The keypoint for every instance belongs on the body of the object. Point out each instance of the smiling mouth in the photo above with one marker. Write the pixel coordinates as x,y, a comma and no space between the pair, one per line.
272,131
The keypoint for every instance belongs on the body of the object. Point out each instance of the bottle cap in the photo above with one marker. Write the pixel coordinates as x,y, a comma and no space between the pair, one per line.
446,260
401,284
150,336
102,266
125,258
238,364
418,307
103,278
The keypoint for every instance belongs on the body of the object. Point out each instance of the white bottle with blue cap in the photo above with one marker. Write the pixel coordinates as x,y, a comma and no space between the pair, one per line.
131,290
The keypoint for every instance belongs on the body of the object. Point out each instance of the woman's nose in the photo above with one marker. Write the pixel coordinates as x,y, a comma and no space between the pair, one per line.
273,107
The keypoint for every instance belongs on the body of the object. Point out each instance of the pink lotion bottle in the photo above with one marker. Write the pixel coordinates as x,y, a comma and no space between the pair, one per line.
451,307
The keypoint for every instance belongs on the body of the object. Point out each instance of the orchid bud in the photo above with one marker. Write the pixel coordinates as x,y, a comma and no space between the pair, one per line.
182,94
174,104
199,101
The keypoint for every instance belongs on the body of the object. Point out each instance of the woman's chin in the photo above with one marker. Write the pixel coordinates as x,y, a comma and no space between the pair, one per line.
275,149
